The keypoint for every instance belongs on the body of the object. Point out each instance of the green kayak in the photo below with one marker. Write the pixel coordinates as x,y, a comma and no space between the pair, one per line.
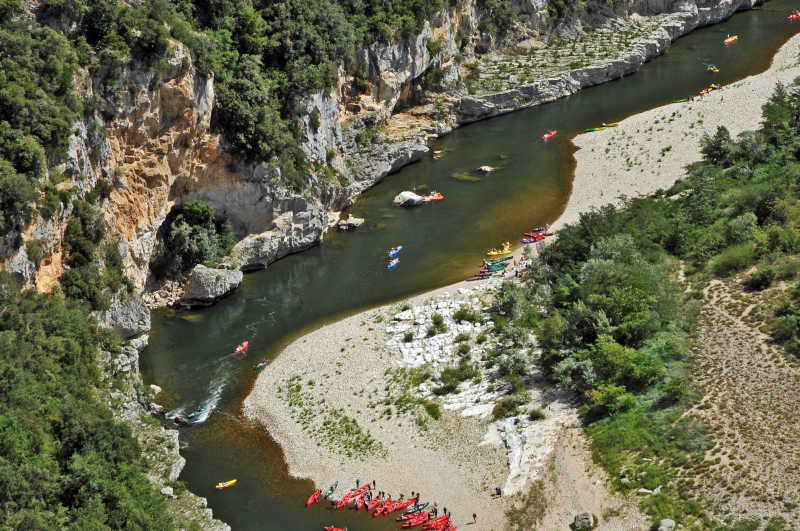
682,100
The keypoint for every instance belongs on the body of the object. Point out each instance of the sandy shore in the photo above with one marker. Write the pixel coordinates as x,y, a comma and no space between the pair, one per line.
343,364
649,151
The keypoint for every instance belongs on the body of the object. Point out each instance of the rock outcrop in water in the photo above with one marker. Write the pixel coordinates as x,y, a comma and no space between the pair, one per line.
207,285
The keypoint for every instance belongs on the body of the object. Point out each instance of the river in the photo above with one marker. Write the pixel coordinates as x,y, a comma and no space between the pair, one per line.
189,354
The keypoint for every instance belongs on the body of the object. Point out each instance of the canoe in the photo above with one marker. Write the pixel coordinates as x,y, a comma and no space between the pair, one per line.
373,503
394,250
495,252
421,519
242,347
381,508
417,508
393,263
226,484
330,491
314,498
261,364
548,135
730,39
403,505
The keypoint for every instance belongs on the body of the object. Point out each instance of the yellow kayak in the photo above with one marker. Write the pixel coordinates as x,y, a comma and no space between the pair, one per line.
713,69
224,484
494,252
612,124
730,39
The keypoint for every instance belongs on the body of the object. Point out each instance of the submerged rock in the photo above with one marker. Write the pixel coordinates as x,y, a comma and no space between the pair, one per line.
206,285
407,199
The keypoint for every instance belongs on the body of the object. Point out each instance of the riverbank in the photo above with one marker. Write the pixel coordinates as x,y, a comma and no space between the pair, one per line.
650,151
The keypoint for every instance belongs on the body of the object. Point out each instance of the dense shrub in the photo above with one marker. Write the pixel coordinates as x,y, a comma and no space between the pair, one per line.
760,280
193,234
66,463
734,258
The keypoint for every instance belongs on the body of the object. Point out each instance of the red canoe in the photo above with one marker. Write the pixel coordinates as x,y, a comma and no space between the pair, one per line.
420,519
242,347
314,498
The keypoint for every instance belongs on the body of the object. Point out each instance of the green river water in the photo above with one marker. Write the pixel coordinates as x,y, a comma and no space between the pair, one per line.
190,352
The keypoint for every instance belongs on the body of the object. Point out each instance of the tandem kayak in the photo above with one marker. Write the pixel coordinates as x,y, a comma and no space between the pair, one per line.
226,484
417,508
394,250
314,498
393,263
242,347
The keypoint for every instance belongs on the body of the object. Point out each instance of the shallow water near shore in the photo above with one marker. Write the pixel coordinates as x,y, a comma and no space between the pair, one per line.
190,353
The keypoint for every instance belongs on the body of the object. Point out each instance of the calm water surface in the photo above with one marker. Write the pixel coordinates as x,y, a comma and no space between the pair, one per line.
190,352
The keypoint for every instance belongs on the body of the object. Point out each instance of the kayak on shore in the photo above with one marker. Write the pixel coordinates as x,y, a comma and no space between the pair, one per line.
226,484
261,364
495,252
314,498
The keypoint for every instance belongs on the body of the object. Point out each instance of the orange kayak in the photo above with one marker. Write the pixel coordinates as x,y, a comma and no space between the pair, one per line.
242,347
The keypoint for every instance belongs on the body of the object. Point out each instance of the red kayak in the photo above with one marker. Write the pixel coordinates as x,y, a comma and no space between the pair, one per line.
360,503
373,503
343,501
403,505
388,503
242,347
331,528
314,498
436,522
420,519
534,235
549,134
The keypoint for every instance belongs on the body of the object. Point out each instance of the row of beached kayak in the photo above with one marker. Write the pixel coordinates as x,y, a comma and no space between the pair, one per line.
412,510
498,265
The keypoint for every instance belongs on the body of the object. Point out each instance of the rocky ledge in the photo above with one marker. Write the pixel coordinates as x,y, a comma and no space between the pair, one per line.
207,285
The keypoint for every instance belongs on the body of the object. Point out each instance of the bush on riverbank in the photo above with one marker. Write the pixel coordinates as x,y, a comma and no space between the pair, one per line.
194,234
612,322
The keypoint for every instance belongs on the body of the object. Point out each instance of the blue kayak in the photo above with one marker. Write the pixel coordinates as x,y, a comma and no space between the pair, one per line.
393,263
196,412
394,250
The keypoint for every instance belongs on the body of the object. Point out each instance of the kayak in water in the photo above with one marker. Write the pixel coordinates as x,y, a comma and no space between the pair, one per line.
394,250
393,263
242,347
226,484
196,412
373,503
332,528
330,491
494,252
261,364
314,498
730,39
549,134
682,100
712,68
417,508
